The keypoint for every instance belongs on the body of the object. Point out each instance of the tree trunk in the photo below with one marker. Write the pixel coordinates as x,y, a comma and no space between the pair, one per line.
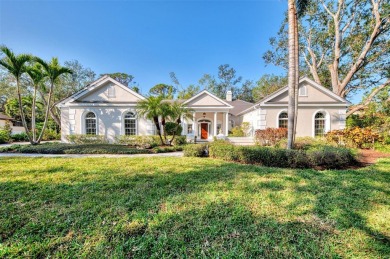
156,122
52,114
22,113
47,112
33,129
296,53
291,73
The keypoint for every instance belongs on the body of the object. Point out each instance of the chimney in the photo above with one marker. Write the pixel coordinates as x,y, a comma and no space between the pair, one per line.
229,96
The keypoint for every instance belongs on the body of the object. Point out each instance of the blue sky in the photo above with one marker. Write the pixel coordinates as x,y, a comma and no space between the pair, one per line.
147,39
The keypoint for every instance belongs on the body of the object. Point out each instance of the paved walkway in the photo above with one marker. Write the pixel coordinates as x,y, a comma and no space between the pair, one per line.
169,154
27,143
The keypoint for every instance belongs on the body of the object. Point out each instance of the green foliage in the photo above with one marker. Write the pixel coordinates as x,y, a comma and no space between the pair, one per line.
19,137
180,140
325,157
172,128
62,148
138,141
164,91
5,136
270,136
86,139
237,132
268,84
122,78
304,143
195,150
354,137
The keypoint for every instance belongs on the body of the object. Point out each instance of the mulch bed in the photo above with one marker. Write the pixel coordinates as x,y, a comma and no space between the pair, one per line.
369,156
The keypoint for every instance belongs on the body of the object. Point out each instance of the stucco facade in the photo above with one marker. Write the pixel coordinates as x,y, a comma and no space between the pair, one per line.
108,108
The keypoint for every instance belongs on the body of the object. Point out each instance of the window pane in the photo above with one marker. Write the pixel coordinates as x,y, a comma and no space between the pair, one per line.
319,125
283,120
90,124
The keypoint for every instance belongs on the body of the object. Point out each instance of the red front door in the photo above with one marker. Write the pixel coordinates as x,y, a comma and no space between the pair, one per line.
204,130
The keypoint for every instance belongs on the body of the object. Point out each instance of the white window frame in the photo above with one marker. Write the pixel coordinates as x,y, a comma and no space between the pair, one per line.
84,122
327,122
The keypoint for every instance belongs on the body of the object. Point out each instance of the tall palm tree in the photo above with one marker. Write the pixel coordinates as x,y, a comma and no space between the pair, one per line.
152,109
295,9
53,71
37,77
15,64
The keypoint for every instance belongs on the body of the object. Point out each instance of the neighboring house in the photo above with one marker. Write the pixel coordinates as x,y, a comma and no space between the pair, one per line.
107,107
15,125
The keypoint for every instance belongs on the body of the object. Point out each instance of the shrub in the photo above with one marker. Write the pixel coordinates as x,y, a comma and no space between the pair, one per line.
172,128
138,141
195,150
180,140
237,132
353,137
51,134
270,136
223,149
19,137
167,149
5,136
87,139
331,157
304,143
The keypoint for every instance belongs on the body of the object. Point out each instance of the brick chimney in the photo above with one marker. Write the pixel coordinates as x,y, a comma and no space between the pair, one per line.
229,96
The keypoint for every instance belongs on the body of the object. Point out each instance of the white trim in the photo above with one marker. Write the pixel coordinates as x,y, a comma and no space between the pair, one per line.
277,117
123,121
327,121
326,91
209,126
210,94
303,87
95,85
84,126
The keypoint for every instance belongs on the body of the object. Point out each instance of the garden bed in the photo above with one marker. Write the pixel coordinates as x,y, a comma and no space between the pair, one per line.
63,148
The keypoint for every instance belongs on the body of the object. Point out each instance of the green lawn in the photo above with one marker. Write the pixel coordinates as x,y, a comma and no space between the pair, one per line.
190,207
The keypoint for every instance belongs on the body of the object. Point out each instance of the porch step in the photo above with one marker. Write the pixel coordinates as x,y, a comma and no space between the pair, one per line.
244,141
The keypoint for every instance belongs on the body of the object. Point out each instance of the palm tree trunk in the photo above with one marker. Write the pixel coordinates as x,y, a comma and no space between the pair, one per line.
46,113
51,112
291,73
34,134
158,129
296,53
22,113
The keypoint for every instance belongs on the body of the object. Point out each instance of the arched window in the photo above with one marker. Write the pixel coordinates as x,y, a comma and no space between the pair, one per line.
283,120
130,124
90,123
319,124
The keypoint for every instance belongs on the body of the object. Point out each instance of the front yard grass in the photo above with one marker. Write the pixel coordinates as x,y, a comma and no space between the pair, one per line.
190,207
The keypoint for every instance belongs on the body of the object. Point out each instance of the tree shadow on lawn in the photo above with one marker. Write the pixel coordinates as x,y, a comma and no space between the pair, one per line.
206,209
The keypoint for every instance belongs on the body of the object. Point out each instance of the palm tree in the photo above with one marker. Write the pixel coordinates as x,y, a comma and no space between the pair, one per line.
15,64
293,65
178,112
152,109
53,71
37,77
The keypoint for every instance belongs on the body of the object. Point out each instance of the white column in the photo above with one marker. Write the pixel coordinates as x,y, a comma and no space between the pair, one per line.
195,127
215,124
227,123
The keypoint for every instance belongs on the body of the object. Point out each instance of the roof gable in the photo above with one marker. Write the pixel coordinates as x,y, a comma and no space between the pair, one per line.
206,99
316,94
104,90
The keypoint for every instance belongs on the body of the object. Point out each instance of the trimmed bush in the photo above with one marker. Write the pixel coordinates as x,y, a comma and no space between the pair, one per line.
172,128
270,136
5,136
331,157
325,157
304,143
19,137
195,150
86,139
180,140
138,141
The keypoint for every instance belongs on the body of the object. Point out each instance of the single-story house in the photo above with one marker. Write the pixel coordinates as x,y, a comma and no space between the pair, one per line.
107,107
16,126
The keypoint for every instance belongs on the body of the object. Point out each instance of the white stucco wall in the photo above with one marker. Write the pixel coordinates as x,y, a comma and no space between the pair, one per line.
109,121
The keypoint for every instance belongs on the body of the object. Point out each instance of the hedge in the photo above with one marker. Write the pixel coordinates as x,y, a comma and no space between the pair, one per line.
325,157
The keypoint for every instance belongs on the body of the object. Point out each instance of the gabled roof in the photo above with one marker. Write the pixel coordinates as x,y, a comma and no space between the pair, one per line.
95,85
5,117
210,94
263,102
239,106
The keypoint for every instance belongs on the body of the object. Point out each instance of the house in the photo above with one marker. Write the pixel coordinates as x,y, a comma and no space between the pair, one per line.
16,126
107,107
